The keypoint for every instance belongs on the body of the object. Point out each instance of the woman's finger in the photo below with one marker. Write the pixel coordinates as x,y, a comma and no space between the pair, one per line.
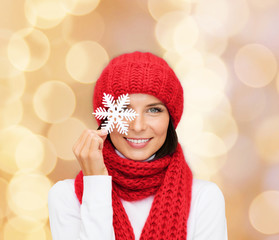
84,151
95,143
80,141
102,133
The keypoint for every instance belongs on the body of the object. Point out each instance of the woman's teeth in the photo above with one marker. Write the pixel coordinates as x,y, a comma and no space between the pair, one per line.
137,140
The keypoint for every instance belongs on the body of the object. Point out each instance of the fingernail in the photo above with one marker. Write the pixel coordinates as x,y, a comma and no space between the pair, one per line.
104,131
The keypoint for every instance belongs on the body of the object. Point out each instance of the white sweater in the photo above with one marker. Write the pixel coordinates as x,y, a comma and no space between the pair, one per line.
93,218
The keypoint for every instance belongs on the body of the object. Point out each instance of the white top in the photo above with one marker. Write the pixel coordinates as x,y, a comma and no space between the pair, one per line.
93,218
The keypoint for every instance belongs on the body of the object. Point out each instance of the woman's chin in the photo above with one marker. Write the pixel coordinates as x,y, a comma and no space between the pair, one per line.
137,155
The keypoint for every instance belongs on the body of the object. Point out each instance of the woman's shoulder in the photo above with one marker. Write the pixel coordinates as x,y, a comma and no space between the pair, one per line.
207,194
62,192
62,186
203,186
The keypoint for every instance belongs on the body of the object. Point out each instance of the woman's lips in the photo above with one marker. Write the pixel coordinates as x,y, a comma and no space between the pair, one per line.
138,142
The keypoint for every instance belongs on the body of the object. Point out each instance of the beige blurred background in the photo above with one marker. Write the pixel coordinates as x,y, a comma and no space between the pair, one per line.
224,52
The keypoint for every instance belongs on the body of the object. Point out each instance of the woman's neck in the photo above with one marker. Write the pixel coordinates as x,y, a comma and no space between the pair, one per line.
146,160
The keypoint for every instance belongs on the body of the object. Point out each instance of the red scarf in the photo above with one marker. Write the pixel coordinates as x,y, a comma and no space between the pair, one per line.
169,178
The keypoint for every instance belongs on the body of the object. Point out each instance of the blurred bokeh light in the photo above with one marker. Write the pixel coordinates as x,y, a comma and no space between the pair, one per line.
264,212
64,135
80,59
224,52
267,139
54,101
44,13
261,60
78,7
28,49
27,195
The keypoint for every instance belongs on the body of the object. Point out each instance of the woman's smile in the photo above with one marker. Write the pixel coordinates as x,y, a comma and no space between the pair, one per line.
138,142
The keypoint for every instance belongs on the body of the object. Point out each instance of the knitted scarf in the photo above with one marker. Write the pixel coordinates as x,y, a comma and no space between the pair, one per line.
168,178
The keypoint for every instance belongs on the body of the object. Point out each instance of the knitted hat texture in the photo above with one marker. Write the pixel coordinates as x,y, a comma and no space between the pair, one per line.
145,73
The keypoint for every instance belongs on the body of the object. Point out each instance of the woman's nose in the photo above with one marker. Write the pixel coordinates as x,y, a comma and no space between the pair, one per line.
138,124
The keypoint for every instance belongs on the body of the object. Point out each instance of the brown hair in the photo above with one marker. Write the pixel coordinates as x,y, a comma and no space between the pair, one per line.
170,143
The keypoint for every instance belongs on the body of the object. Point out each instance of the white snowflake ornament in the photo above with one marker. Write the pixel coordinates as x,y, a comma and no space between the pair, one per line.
115,113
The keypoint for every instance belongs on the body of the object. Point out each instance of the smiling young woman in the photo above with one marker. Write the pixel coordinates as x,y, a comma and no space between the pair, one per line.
139,185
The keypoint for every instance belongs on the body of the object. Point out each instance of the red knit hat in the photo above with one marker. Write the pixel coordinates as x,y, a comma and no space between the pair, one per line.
139,72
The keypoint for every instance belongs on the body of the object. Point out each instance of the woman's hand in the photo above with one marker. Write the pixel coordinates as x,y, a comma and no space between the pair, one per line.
88,151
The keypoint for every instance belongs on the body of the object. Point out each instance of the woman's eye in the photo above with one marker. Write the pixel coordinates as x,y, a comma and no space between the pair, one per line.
155,110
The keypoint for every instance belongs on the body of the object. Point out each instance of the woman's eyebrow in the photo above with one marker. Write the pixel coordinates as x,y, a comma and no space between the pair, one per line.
151,104
155,104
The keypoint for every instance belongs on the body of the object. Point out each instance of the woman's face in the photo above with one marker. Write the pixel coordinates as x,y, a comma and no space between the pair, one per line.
147,133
